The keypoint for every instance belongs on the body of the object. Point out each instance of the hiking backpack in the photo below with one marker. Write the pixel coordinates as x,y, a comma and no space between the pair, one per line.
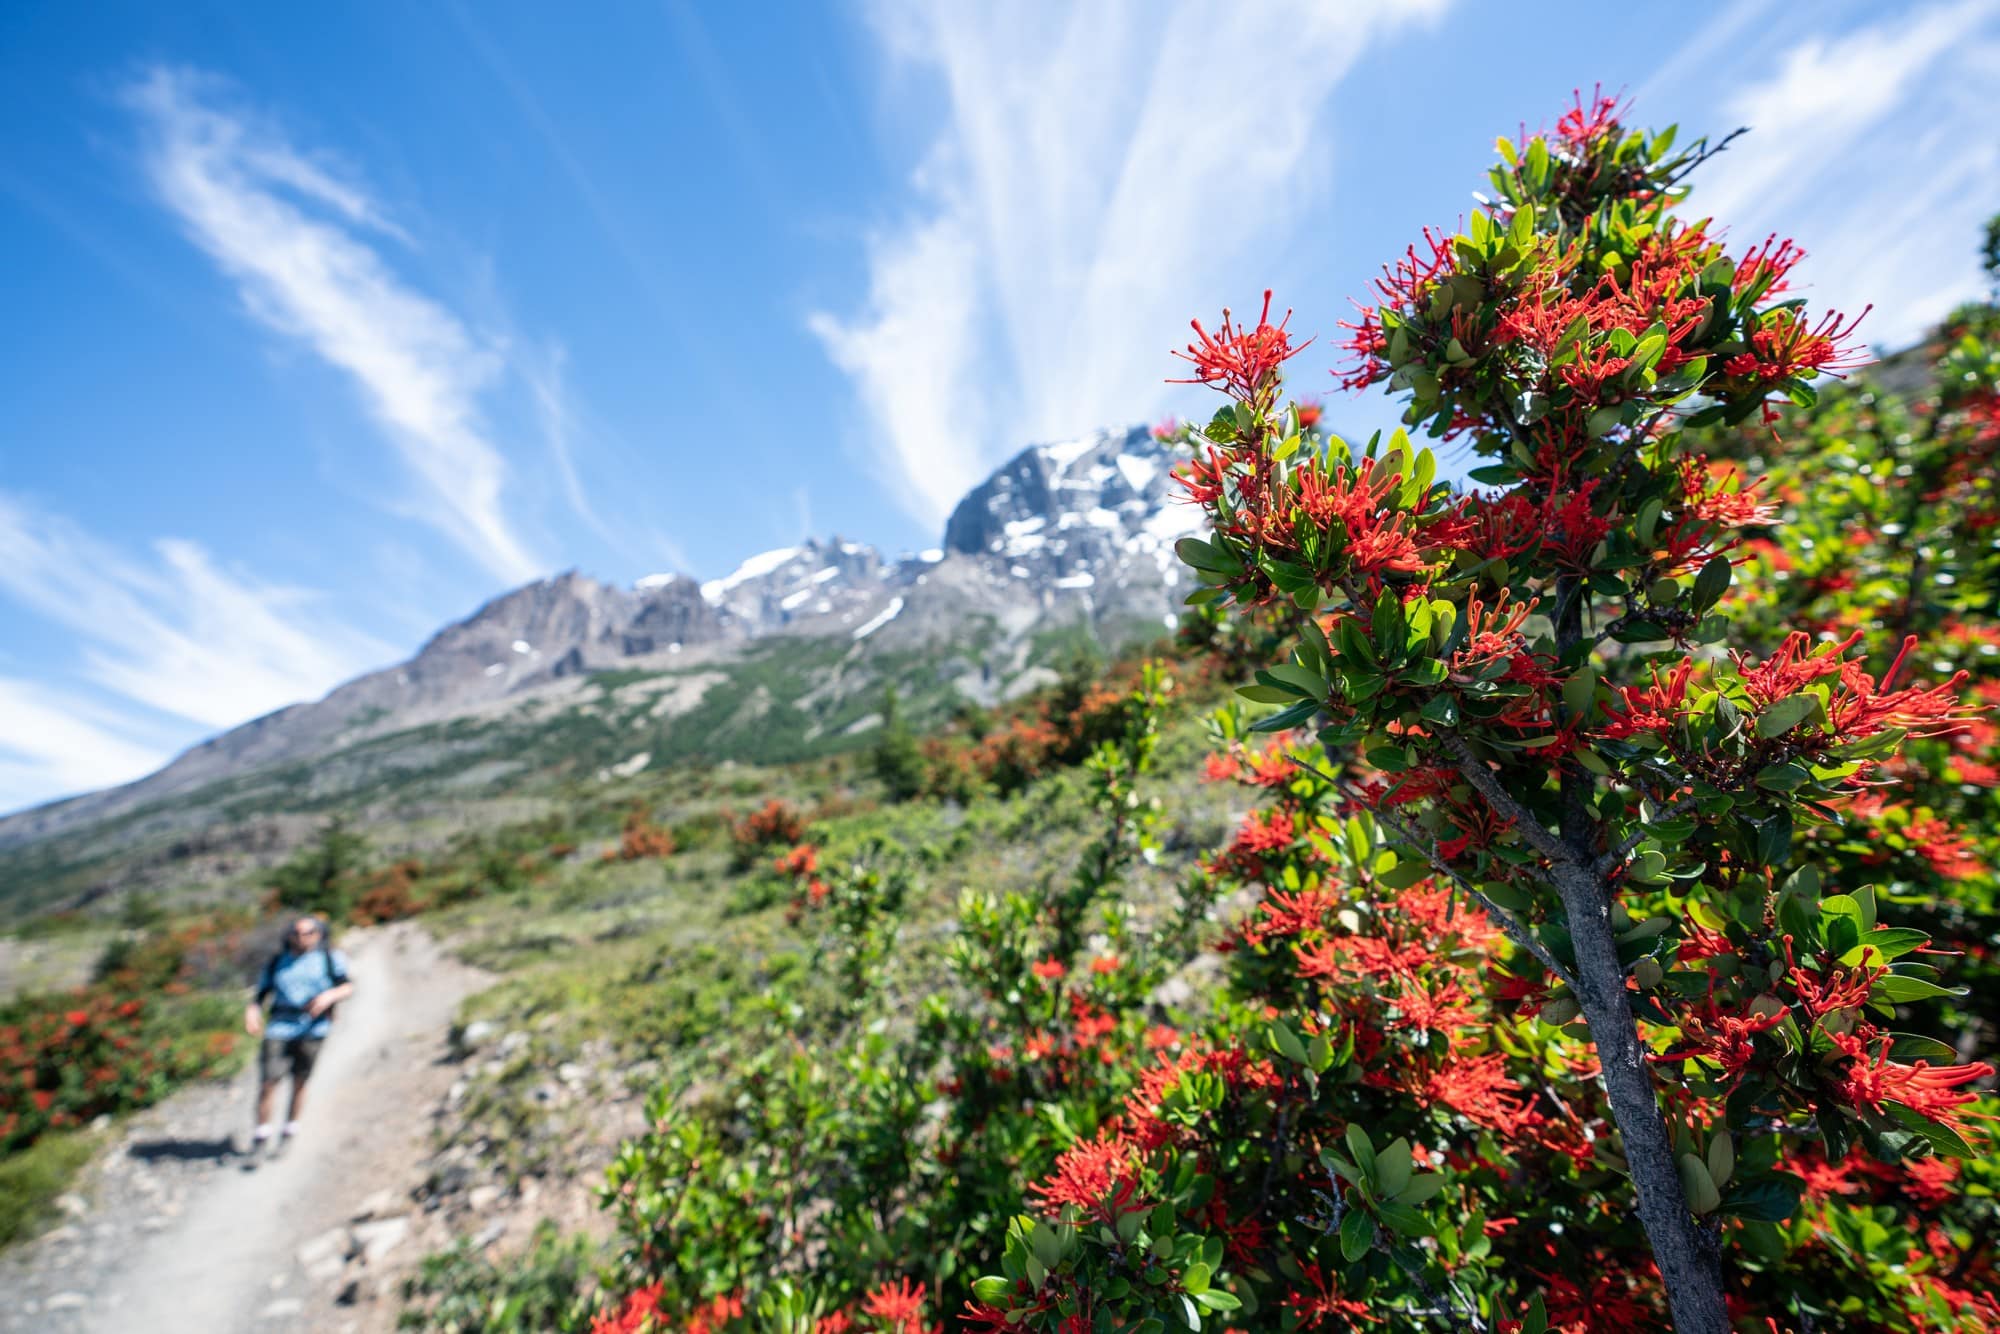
335,973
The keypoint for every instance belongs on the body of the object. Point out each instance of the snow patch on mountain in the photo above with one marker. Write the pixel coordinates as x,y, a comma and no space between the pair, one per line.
881,618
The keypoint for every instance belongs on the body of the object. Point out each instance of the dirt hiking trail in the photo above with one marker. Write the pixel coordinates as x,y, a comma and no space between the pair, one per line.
168,1233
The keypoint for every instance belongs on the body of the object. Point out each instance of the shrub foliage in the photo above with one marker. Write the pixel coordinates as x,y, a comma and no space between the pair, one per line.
1609,934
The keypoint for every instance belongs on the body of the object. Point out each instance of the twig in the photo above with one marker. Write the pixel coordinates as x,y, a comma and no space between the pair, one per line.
1539,836
1704,153
1639,835
1514,929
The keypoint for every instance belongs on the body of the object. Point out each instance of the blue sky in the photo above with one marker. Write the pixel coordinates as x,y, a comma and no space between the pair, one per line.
326,323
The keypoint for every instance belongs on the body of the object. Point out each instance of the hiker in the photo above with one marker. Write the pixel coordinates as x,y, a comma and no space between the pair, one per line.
303,982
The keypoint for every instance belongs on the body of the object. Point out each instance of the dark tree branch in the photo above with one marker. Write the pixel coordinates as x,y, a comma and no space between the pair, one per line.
1689,1255
1616,856
1477,772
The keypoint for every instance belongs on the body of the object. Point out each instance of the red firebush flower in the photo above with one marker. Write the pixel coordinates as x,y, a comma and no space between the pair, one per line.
1242,363
1936,1092
899,1307
1315,1301
1098,1177
1785,347
1764,268
1651,708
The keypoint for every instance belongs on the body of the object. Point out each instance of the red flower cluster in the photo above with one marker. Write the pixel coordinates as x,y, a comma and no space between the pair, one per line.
1872,1080
1242,363
1098,1178
1785,347
66,1060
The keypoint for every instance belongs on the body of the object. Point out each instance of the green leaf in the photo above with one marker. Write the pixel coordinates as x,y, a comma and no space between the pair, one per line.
992,1289
1389,759
1711,583
1580,691
1698,1185
1441,710
1308,683
1721,1158
1647,867
1206,556
1404,1220
1916,1047
1402,875
1392,1167
1783,777
1356,1231
1898,990
1047,1249
1339,1166
1783,715
1893,942
1639,632
1423,1187
1364,1152
1287,1043
1285,720
1215,1299
1770,1199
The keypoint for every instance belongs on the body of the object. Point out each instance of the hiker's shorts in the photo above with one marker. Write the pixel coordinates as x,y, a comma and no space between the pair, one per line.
281,1056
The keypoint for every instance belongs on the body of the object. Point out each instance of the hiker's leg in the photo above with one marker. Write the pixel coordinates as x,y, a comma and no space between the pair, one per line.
305,1051
270,1069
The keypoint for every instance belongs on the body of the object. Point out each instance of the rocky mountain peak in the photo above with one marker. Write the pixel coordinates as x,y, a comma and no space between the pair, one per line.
1079,532
817,578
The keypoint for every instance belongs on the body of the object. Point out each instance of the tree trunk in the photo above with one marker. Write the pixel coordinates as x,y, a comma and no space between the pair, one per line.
1689,1256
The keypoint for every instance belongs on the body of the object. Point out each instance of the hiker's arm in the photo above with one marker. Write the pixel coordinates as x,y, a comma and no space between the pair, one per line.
329,998
253,1009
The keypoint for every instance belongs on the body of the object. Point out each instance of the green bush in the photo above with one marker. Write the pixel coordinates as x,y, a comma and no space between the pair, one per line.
460,1290
31,1180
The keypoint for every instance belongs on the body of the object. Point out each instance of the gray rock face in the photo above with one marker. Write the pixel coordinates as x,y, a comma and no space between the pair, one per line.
670,611
1075,532
1098,514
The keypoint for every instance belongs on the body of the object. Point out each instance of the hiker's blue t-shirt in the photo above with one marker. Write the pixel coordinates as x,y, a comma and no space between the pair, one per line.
292,980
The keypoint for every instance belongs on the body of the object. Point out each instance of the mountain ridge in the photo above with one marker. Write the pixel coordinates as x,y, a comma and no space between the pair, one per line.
1072,534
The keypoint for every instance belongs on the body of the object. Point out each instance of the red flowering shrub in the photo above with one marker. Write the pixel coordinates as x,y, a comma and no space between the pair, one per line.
121,1043
1509,681
390,894
1061,727
771,824
641,839
1612,927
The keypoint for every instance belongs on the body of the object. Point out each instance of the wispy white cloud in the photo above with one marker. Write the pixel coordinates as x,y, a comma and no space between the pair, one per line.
56,744
301,243
1873,147
1097,178
912,358
545,383
173,637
